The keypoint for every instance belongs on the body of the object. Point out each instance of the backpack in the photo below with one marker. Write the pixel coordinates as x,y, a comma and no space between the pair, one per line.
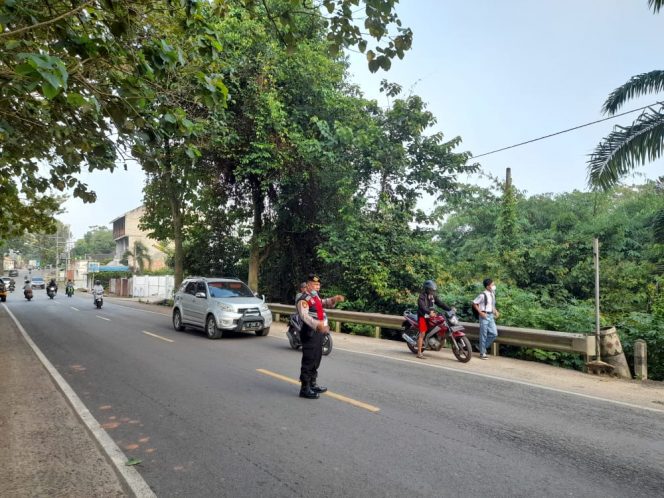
472,308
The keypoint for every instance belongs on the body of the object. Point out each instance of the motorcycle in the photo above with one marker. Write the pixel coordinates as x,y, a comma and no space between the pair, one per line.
69,290
27,293
98,297
51,291
293,334
442,326
12,286
3,291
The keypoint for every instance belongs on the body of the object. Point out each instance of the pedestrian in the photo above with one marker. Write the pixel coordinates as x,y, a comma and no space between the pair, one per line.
425,310
485,306
314,327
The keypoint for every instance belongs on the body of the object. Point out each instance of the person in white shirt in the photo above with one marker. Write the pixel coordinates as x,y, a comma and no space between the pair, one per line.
485,305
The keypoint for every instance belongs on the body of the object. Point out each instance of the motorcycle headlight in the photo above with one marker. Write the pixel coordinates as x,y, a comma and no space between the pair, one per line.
453,320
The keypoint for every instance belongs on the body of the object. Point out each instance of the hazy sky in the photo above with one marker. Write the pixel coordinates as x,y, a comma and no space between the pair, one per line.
495,73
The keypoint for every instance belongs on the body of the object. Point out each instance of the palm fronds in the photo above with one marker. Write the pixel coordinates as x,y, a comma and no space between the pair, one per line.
627,147
638,85
655,5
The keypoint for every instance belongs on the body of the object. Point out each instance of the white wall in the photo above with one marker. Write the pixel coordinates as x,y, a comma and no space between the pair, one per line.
153,288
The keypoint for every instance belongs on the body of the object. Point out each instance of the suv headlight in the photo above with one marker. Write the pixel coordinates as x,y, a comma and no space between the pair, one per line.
264,307
225,307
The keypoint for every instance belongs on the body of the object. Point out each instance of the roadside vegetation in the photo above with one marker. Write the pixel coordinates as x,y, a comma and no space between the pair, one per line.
263,161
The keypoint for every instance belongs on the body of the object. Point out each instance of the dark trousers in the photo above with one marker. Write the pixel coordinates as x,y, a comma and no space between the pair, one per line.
312,352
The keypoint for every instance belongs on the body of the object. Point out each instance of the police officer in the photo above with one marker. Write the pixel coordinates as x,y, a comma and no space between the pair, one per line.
314,326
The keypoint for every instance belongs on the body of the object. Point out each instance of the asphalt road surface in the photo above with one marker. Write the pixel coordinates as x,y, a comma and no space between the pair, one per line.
220,418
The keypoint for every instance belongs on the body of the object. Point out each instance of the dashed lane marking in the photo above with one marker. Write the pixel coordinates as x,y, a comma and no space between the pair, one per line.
103,318
75,309
329,394
157,336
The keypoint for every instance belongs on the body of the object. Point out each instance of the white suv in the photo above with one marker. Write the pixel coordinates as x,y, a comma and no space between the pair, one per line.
219,305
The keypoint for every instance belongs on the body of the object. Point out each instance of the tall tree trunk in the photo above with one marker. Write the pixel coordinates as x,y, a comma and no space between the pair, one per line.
255,249
177,217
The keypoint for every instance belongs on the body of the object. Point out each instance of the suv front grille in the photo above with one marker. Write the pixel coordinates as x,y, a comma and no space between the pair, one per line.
250,311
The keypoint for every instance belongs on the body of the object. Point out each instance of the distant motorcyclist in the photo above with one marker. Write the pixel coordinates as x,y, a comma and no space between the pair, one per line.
425,309
54,284
97,289
69,289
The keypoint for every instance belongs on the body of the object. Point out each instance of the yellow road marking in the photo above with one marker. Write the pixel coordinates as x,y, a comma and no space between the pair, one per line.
103,318
338,397
157,336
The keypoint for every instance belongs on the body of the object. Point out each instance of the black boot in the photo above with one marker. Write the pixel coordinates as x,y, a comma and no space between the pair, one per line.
318,389
307,392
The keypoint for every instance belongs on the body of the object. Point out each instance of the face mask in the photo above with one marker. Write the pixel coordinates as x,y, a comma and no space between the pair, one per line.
493,288
313,293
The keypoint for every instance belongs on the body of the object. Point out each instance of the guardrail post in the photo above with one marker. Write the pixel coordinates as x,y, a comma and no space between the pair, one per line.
277,317
377,332
495,348
337,327
640,359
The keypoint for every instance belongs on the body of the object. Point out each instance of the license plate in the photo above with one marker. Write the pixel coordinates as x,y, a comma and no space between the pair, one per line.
252,325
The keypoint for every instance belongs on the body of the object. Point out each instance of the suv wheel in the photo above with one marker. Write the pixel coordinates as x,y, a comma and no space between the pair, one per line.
264,332
213,332
177,320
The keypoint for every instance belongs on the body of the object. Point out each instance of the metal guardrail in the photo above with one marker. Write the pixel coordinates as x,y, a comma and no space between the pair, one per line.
549,340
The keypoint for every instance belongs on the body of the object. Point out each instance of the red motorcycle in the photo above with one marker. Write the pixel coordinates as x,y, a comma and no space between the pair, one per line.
441,327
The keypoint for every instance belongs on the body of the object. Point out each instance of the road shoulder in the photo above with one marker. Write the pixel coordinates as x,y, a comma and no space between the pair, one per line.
45,448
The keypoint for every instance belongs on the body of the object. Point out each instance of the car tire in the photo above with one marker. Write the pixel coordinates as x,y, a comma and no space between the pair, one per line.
177,320
263,332
211,329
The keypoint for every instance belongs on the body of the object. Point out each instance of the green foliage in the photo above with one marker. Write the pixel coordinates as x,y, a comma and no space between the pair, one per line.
650,328
98,240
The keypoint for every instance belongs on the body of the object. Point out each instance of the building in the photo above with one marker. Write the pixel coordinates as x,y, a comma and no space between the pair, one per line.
127,235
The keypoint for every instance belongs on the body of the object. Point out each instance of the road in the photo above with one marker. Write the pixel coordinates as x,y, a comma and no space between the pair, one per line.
217,418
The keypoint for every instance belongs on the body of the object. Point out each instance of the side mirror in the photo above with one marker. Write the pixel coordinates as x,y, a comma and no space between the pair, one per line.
201,295
263,297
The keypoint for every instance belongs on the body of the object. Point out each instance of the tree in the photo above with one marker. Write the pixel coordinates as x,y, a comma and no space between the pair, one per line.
75,78
96,241
625,148
140,255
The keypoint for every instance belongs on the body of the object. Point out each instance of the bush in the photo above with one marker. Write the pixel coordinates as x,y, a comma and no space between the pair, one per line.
650,328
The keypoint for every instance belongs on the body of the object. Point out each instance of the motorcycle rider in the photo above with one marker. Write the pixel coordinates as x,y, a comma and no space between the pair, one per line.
27,287
425,309
54,284
314,325
97,288
70,286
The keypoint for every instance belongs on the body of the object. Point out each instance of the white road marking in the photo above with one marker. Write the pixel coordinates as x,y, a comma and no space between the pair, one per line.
130,474
75,309
157,336
138,309
103,318
513,381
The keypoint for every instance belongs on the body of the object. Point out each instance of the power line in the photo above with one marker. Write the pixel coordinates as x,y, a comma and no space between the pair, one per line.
567,130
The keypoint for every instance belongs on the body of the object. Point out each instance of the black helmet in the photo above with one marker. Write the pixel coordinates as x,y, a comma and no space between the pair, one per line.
97,282
430,286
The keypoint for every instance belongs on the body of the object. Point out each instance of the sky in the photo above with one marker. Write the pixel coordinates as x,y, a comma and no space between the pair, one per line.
495,74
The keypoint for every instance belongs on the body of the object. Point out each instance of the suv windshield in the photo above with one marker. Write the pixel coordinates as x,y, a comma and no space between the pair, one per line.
229,289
